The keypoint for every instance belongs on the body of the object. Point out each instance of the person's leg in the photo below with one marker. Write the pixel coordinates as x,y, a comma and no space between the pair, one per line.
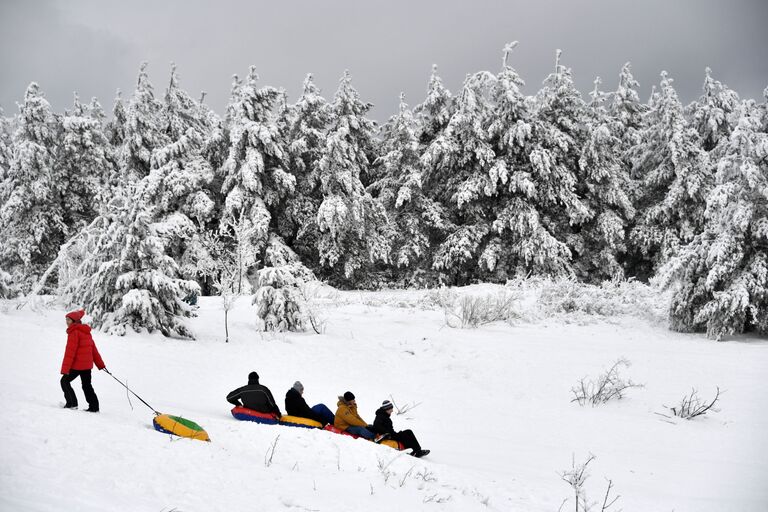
361,431
324,412
69,394
90,394
408,438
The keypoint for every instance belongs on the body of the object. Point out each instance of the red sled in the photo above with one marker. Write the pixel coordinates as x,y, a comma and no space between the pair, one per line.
397,445
245,414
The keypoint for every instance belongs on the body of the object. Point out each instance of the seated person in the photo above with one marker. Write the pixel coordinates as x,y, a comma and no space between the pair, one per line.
383,425
295,405
254,396
349,420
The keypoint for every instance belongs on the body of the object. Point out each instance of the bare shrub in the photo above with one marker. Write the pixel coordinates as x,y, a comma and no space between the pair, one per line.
271,452
609,385
576,477
383,467
405,408
692,406
469,312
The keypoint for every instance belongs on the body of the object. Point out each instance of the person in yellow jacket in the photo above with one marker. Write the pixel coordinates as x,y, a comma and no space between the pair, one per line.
349,420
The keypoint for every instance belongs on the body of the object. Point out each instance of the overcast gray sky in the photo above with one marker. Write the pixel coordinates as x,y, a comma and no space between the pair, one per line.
95,46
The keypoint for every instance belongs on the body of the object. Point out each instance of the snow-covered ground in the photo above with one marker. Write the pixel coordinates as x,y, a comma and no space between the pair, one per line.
494,406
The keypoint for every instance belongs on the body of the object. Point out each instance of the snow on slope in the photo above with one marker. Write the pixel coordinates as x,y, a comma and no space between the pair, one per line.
494,406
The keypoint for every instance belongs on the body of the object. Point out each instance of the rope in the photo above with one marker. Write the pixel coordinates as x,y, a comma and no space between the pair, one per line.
134,394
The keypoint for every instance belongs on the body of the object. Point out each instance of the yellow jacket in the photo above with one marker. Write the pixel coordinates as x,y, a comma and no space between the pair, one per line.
346,416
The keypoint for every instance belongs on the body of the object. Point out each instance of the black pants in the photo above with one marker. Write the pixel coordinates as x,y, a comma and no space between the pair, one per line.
85,380
408,439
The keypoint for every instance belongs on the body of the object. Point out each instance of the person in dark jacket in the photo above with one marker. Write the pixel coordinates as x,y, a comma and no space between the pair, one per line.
295,405
383,425
79,357
254,396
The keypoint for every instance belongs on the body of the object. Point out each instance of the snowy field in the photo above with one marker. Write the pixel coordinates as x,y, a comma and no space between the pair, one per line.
494,406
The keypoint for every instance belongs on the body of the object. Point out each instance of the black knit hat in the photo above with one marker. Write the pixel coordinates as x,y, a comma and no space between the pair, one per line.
253,377
348,396
387,405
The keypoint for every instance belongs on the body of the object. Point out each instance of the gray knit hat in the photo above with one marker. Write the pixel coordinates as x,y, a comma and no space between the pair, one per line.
298,386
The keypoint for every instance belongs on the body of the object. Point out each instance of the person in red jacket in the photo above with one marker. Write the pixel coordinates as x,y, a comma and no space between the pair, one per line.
79,358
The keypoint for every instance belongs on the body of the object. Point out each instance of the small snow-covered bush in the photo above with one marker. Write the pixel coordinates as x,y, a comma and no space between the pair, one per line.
473,311
609,385
279,300
470,311
692,405
610,298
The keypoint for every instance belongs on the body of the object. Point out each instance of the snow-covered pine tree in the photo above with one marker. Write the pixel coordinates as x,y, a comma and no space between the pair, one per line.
712,116
604,186
115,127
178,185
6,152
627,109
8,290
457,165
353,225
307,121
142,132
279,301
675,178
436,110
721,277
32,223
84,162
124,278
415,219
254,176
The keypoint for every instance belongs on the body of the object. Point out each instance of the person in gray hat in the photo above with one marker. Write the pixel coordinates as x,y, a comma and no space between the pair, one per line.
295,405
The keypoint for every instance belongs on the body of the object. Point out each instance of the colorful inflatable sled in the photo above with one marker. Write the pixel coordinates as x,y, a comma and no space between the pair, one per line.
387,442
242,413
297,421
181,427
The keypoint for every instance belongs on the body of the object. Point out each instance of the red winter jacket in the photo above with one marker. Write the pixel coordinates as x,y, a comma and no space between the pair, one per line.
81,351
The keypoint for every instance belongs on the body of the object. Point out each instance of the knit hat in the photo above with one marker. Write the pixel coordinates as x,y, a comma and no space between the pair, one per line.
348,396
253,377
387,405
298,386
76,316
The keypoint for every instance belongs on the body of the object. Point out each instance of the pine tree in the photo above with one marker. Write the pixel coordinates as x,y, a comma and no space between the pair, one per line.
125,279
178,184
605,189
6,154
415,219
436,110
32,220
627,109
142,132
457,165
712,115
352,224
534,174
307,121
675,179
254,176
280,303
83,160
721,277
